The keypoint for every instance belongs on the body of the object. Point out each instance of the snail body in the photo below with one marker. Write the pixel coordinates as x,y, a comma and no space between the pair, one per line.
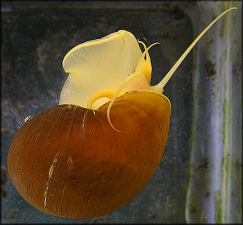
96,150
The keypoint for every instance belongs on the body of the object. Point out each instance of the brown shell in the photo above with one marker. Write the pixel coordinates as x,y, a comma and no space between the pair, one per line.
68,161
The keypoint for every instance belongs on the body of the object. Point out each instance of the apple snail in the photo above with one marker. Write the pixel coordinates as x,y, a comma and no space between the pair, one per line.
96,150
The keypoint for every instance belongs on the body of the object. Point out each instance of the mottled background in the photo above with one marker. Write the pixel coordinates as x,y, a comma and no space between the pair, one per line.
35,38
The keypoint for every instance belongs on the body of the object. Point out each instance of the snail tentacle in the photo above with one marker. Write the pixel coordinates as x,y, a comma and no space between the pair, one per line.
128,79
147,49
144,65
160,86
140,70
143,68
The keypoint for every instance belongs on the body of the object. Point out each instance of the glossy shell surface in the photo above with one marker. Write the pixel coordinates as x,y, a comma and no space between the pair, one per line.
68,161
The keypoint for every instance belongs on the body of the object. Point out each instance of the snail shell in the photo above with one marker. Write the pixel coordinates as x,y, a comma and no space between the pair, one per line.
69,162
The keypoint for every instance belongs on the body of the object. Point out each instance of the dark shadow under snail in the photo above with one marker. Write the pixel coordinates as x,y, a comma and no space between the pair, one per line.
96,150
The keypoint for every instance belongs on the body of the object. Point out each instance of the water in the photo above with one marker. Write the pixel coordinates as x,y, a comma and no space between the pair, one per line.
36,37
